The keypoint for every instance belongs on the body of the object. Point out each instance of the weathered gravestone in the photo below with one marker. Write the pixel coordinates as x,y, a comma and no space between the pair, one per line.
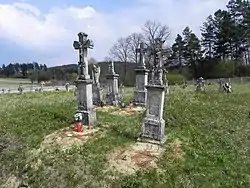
200,84
67,87
140,91
224,86
96,85
42,86
112,84
83,81
20,89
221,82
153,128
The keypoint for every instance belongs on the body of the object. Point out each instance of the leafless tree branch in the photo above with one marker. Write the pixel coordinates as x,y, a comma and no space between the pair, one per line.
134,41
120,51
152,30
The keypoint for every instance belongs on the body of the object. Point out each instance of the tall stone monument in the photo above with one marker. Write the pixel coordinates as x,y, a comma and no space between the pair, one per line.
140,91
153,128
96,85
83,81
112,83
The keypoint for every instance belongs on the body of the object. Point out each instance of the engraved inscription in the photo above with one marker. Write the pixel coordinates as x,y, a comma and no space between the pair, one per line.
154,105
151,131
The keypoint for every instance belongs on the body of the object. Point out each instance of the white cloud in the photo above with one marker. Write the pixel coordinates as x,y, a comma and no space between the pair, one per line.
53,33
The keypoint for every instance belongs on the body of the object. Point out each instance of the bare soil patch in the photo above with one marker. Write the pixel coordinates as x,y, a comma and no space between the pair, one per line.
126,111
68,137
135,157
105,108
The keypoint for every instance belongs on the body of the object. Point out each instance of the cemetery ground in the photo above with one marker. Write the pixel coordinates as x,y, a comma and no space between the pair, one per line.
208,142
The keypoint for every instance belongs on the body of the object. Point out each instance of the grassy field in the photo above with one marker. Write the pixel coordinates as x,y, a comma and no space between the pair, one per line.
13,83
213,131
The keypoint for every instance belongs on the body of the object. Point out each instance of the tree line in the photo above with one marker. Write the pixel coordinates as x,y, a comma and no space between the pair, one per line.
221,51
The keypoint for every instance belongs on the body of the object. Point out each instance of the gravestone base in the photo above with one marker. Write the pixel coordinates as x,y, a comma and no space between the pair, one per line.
85,102
96,95
140,92
88,117
153,131
113,99
140,98
153,127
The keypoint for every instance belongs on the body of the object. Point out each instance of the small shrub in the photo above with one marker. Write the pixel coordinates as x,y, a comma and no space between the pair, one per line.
175,79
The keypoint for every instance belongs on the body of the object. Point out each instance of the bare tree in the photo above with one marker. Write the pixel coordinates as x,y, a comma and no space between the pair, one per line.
134,41
120,51
152,30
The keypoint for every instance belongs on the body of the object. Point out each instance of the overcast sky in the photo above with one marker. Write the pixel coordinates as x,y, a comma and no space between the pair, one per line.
44,30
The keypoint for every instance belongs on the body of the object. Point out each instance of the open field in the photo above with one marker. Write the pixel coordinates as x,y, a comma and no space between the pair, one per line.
13,83
208,142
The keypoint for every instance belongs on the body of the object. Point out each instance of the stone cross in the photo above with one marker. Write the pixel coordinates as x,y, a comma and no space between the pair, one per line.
111,67
82,45
142,51
157,53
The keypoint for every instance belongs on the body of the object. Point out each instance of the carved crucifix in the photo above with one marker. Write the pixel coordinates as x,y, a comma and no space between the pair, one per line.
82,45
141,51
157,52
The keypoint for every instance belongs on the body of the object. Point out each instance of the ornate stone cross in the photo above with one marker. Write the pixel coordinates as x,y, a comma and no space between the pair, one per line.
157,53
82,45
142,51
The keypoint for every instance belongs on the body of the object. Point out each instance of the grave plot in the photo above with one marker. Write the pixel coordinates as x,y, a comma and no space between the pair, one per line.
128,111
139,156
66,138
63,140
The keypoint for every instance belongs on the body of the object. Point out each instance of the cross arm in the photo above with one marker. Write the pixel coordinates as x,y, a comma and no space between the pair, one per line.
76,45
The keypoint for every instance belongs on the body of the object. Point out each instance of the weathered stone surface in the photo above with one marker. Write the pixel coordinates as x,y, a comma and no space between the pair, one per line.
153,128
140,92
154,125
85,102
97,97
112,84
83,82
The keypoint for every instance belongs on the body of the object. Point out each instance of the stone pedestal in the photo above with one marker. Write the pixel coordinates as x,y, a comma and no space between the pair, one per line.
96,94
85,102
140,91
113,91
153,128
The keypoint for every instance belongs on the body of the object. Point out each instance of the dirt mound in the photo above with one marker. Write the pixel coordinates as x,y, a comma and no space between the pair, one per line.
68,137
138,156
64,138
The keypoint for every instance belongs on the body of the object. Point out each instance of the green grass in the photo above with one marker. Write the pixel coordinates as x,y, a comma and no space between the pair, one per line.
214,130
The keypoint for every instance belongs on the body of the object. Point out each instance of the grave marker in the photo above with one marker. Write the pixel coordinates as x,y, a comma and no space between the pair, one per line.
140,91
112,83
83,81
